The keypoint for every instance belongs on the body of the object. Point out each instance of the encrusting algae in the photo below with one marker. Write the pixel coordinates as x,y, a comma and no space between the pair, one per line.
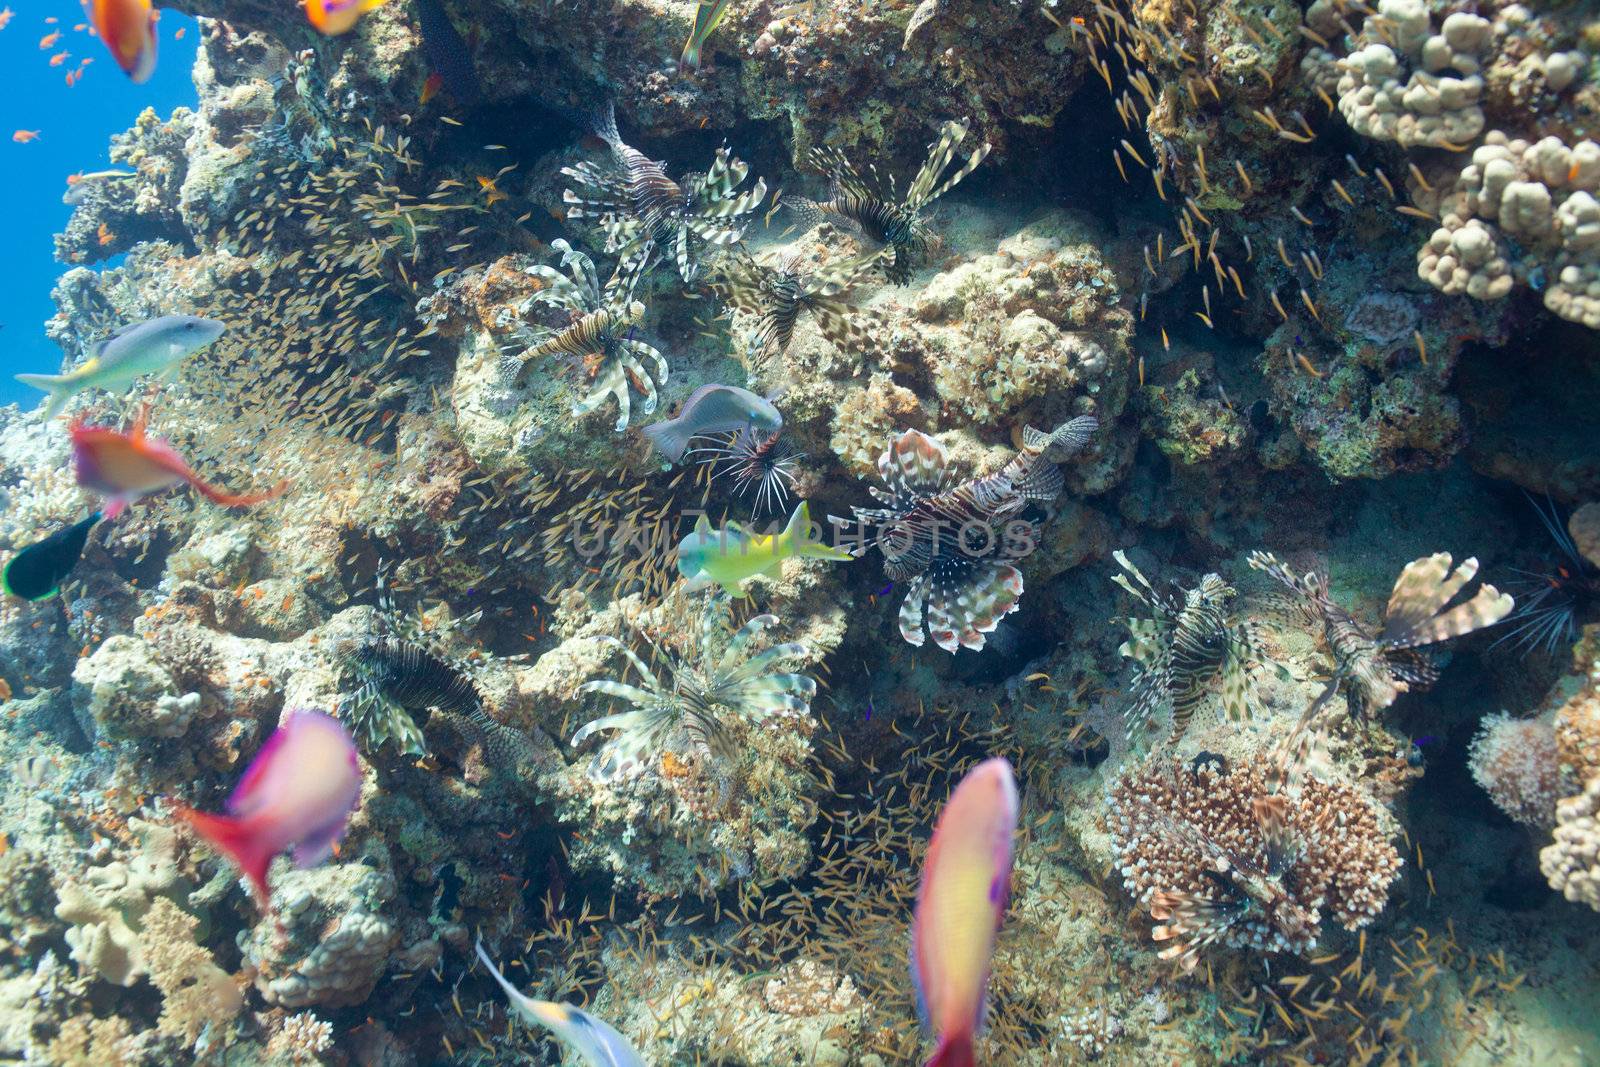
545,628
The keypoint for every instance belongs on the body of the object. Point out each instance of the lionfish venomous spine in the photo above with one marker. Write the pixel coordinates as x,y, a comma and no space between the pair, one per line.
778,295
1190,646
956,545
1379,667
875,212
641,209
599,335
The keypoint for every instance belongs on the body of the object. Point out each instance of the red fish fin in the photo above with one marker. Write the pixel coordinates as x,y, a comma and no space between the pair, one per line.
238,500
136,431
955,1051
238,839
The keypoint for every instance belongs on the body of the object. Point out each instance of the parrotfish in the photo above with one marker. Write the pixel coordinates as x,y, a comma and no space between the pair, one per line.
115,362
596,1041
966,880
707,16
299,791
126,466
712,409
334,17
36,572
731,556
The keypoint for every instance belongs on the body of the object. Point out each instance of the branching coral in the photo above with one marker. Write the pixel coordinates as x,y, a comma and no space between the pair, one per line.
1517,764
1219,861
196,994
600,335
723,677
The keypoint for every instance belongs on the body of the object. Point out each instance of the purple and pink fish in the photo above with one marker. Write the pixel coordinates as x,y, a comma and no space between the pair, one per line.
966,882
298,792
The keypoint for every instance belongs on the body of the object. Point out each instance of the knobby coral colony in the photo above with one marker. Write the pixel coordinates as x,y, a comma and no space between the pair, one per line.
1379,667
600,334
956,545
683,714
1221,860
641,209
778,295
877,213
1190,645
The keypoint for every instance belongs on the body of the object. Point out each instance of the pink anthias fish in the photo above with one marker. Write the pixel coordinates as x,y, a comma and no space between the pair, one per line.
966,880
298,791
126,466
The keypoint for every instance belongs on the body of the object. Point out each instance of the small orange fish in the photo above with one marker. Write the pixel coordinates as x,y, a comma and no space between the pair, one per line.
491,190
128,27
51,20
59,58
72,77
334,17
431,87
48,41
178,36
24,136
105,235
6,16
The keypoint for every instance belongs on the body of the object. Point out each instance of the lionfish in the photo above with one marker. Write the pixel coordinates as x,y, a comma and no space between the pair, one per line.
600,334
1378,668
722,676
779,294
876,213
956,545
1550,602
641,209
1190,645
758,461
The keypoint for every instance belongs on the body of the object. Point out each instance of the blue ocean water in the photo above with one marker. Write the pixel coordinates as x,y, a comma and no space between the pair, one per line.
74,124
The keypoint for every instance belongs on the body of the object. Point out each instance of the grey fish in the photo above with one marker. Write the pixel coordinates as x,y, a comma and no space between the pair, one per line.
712,409
116,362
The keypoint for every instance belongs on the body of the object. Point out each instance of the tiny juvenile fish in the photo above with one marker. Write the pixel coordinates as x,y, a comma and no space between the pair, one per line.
126,466
299,791
708,15
36,572
128,27
593,1039
24,136
731,556
333,17
966,880
712,409
150,347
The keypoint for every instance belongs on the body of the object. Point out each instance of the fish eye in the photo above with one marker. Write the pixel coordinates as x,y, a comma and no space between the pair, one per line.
189,325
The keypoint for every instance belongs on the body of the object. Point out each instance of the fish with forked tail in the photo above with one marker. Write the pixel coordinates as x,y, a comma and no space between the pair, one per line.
712,409
154,346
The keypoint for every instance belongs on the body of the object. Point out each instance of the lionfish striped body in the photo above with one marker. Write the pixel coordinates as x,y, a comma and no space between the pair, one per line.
956,545
1190,647
685,713
598,335
400,678
1380,667
895,224
778,295
641,209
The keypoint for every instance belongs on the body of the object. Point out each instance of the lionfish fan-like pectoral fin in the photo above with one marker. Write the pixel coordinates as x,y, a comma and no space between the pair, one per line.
1238,689
510,366
913,464
835,278
836,322
1149,596
1412,668
1280,844
841,174
612,381
807,214
1423,588
940,153
1042,481
1150,689
1190,921
1144,645
961,611
1064,440
911,610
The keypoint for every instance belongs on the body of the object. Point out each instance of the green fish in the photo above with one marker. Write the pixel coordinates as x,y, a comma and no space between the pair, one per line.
36,573
731,556
707,16
151,347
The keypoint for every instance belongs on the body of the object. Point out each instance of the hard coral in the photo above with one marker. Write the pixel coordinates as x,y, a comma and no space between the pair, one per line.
1516,762
1572,862
1207,846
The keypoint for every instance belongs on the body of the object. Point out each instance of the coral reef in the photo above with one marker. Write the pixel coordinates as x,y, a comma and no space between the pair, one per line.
1572,861
1516,762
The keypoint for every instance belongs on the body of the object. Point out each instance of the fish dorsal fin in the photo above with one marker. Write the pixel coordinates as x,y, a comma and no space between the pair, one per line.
136,431
97,349
702,526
